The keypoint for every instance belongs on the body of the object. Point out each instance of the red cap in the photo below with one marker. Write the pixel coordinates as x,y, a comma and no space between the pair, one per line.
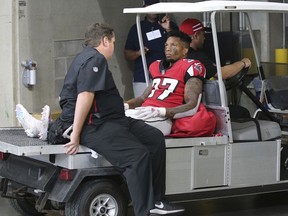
191,26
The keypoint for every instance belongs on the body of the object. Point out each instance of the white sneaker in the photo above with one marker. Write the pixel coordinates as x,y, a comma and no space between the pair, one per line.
30,124
45,118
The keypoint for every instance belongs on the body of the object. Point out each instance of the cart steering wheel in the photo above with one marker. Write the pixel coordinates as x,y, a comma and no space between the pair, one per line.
237,79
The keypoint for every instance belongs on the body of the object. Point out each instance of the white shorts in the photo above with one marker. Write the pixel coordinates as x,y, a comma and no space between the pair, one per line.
162,123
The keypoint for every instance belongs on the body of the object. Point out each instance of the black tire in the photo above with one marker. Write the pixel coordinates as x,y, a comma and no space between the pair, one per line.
97,198
25,206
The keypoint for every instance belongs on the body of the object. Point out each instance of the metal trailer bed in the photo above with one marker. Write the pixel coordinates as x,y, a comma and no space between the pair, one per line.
14,141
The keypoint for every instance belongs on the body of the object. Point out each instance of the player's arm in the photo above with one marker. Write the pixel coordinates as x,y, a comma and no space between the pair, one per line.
83,105
192,97
132,55
229,71
137,102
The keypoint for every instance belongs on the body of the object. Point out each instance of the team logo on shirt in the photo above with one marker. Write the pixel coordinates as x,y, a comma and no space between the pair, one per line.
95,69
195,69
198,67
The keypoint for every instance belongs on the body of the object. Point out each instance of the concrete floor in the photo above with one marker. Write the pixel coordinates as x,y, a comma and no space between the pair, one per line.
254,205
274,204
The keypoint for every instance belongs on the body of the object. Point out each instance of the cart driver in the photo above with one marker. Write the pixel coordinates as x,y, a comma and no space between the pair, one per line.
195,29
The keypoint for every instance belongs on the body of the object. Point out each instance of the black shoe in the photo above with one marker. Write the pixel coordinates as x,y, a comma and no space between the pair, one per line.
163,208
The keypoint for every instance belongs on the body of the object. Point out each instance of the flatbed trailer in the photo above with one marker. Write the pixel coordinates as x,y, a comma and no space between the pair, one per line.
241,158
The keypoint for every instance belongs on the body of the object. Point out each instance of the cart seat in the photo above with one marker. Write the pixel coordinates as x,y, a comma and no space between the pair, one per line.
255,130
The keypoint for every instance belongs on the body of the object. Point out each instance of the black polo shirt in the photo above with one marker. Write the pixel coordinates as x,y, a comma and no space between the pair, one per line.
89,72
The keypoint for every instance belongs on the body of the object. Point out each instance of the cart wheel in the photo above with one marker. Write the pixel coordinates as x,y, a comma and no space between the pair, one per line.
25,206
236,79
97,198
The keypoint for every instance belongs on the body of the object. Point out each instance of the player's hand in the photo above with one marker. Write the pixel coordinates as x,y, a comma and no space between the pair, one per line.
73,146
145,113
146,49
126,106
165,23
247,62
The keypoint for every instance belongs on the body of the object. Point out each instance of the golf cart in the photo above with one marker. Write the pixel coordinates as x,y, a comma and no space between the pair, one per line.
243,157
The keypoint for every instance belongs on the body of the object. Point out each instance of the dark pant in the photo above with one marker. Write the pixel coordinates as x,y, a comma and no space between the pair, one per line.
136,148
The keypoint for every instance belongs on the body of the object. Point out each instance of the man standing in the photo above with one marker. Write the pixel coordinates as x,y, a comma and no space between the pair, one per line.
195,29
154,31
90,98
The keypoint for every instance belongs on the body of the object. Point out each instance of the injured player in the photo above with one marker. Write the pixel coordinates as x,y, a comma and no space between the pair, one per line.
172,102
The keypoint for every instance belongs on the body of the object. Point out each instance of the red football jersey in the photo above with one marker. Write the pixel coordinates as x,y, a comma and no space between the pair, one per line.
169,84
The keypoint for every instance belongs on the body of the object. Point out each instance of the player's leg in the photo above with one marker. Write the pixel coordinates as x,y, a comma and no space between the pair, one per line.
162,123
45,118
154,140
30,124
122,149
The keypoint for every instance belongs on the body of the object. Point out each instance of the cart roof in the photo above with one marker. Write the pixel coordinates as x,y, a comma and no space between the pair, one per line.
210,6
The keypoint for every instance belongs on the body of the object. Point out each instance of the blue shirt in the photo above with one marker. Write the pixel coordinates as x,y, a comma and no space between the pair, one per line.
155,46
